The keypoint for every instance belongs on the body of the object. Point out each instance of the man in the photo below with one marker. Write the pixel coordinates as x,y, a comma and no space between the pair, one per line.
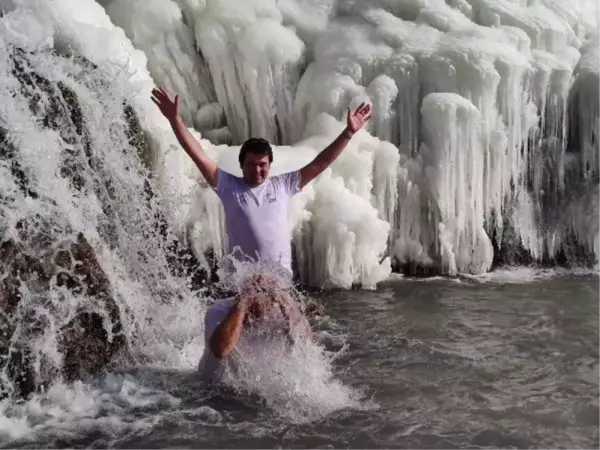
256,219
262,310
255,205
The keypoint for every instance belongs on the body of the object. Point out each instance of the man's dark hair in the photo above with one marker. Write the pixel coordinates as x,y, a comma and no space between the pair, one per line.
258,146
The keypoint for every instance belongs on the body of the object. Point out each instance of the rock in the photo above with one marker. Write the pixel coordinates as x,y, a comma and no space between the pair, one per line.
88,342
136,136
43,255
86,347
314,308
58,108
7,153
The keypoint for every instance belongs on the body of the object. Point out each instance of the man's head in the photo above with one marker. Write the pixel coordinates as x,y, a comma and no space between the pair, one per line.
263,293
255,159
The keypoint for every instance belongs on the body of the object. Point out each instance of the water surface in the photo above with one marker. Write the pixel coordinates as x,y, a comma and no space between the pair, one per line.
477,362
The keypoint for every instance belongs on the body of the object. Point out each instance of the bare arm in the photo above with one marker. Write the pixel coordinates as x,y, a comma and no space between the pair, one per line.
324,159
170,109
227,334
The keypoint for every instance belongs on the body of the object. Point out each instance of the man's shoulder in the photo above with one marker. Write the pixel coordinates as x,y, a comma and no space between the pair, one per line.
227,174
217,312
285,175
285,178
227,181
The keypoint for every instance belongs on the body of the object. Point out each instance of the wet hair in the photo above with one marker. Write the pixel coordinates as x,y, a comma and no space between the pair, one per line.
258,146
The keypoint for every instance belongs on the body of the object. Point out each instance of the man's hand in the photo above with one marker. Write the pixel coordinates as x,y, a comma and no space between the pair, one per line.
357,119
168,107
293,317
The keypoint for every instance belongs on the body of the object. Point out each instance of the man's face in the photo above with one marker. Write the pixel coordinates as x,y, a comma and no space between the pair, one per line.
255,168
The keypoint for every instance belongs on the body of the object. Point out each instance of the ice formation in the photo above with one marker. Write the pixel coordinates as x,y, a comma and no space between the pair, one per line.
485,119
157,28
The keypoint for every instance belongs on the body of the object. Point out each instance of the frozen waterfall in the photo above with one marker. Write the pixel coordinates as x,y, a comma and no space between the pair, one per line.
483,141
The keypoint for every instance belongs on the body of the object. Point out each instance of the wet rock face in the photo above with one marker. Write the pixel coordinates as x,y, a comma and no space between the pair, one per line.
59,314
86,347
44,259
88,342
60,110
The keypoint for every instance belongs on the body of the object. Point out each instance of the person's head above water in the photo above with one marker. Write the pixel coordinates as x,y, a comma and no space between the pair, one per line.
255,159
263,292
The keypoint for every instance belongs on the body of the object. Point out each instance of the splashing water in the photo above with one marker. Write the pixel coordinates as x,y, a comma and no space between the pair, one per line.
296,382
73,175
76,182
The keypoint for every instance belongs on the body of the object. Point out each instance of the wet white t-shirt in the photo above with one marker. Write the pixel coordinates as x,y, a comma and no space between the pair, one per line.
256,217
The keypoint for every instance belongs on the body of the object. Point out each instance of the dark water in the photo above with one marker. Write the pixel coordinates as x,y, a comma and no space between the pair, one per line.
472,365
446,364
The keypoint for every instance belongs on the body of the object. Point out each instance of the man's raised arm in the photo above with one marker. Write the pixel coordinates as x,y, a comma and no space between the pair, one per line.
323,160
170,109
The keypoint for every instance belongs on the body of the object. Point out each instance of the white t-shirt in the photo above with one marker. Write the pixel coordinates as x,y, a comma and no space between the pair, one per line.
256,217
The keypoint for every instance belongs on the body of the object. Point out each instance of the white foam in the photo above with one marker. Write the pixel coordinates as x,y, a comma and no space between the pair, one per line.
78,410
512,275
295,382
26,30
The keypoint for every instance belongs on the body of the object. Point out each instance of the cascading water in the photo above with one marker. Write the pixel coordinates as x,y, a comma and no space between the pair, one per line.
85,241
92,271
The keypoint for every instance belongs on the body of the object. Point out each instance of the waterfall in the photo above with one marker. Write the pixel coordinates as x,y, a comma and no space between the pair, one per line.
87,251
482,150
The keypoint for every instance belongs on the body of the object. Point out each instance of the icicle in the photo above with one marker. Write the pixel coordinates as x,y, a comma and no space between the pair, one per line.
156,27
254,63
